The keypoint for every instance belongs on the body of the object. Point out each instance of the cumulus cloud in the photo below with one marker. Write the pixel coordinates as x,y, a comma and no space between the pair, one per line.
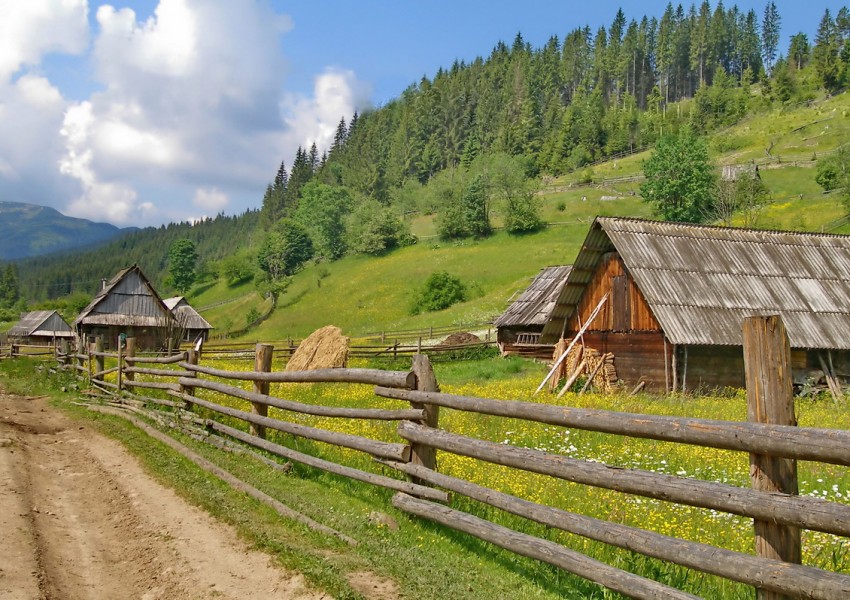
336,94
210,199
31,29
189,112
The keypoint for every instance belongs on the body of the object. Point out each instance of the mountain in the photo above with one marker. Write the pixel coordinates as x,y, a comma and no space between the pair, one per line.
32,230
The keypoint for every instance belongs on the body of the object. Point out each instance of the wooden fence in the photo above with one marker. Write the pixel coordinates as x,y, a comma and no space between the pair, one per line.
771,439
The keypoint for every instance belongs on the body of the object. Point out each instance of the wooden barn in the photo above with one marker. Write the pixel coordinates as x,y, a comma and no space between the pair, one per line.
518,329
40,327
128,304
190,323
678,295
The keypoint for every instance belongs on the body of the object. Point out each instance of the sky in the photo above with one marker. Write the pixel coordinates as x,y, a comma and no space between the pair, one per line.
145,112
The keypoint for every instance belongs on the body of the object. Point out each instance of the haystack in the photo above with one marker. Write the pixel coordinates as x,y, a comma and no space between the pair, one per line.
461,338
324,348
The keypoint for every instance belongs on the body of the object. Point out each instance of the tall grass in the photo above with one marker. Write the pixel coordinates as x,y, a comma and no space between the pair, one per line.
516,380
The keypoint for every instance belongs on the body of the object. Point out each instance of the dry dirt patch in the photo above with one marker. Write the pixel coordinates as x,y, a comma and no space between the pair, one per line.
82,520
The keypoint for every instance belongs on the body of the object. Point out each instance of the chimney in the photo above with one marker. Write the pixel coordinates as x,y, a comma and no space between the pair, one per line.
103,284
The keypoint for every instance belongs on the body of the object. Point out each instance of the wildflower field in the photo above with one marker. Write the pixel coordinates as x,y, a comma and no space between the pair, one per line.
828,482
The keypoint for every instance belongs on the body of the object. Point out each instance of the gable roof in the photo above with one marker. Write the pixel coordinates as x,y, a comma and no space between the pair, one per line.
187,317
535,304
701,282
129,299
41,322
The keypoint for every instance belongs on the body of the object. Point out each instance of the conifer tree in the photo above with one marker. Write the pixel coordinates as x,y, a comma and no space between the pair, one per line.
770,27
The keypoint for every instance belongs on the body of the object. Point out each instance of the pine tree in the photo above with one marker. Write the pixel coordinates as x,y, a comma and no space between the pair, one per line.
825,54
770,28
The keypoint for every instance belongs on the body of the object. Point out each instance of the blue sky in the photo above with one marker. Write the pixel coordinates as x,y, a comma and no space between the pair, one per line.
143,112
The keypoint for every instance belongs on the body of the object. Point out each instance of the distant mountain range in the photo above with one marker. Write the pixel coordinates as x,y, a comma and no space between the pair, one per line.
32,230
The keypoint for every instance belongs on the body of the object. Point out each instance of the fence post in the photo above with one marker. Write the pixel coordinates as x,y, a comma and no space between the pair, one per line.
767,367
120,366
63,352
99,360
129,353
262,363
189,390
426,381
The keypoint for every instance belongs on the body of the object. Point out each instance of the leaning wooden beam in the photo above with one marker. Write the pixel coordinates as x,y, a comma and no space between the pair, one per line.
573,343
331,467
162,360
228,478
774,575
107,384
158,372
633,586
408,414
355,442
393,379
572,378
153,385
803,443
103,373
802,511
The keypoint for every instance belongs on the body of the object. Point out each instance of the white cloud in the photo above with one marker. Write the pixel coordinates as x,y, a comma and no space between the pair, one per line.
337,93
189,114
31,28
210,199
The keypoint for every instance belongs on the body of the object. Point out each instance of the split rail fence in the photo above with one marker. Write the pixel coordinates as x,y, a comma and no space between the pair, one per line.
770,438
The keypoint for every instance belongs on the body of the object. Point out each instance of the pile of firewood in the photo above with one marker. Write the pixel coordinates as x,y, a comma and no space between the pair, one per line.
597,368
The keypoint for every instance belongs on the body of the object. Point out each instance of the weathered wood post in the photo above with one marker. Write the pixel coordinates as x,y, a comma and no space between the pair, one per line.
63,352
191,358
120,366
129,354
98,357
426,381
262,363
767,366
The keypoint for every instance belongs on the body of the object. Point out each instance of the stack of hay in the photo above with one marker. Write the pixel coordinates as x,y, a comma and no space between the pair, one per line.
325,348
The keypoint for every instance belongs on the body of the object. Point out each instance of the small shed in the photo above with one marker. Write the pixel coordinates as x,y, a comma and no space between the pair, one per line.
189,321
128,304
518,329
736,173
40,327
678,295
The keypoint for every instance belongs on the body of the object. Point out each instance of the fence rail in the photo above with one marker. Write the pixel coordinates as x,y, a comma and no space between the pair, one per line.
769,439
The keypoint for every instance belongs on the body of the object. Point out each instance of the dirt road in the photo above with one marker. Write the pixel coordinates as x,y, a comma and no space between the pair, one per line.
81,520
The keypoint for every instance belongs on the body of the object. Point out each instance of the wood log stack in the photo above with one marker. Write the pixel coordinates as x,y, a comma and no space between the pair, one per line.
597,368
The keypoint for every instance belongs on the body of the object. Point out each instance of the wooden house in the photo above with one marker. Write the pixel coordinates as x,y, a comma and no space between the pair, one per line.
677,296
40,327
128,304
518,329
736,173
190,323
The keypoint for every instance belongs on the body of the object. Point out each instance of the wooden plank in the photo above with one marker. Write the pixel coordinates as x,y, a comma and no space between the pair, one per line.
633,586
355,442
378,414
394,379
803,443
770,399
331,467
803,581
801,511
426,381
262,364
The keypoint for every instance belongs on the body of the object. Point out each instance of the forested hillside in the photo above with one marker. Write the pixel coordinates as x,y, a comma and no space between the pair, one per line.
468,150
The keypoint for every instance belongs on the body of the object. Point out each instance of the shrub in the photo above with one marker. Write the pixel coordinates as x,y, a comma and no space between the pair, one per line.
441,290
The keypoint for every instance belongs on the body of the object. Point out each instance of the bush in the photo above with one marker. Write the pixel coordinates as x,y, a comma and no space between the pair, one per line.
827,174
441,290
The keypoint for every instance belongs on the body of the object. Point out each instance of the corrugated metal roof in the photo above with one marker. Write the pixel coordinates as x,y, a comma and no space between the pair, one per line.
40,322
128,299
700,282
187,317
535,304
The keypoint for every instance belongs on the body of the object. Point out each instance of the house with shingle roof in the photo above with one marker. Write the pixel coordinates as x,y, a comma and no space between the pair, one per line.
518,329
40,327
677,296
190,322
128,304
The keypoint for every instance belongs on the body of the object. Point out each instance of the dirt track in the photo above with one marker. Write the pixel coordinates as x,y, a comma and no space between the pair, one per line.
82,520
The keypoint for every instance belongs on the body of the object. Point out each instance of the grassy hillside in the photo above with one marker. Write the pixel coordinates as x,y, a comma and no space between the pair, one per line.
364,294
